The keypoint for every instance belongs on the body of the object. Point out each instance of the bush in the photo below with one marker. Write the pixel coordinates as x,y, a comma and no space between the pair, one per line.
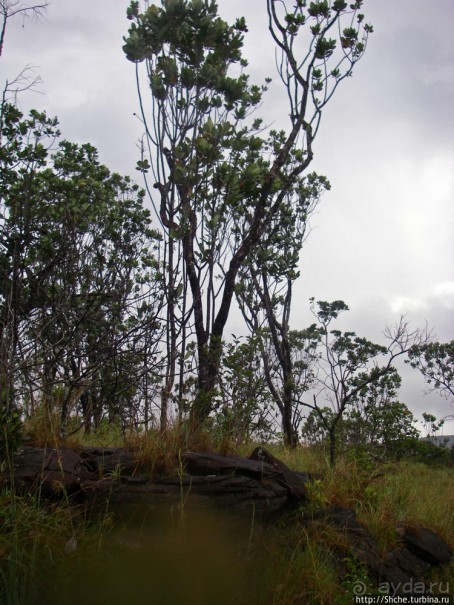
422,450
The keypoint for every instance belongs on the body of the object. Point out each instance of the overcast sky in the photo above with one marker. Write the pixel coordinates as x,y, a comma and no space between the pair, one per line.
382,237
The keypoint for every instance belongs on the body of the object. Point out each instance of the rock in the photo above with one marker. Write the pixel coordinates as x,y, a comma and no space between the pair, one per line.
270,480
58,484
240,492
261,482
138,480
205,463
425,544
29,463
49,470
408,562
230,492
295,482
108,460
64,460
364,548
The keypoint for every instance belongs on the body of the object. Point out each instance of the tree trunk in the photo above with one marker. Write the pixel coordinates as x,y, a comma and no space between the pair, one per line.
290,435
86,411
209,362
171,340
332,447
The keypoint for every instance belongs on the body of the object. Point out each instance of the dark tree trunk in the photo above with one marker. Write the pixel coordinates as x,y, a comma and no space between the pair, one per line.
332,446
86,412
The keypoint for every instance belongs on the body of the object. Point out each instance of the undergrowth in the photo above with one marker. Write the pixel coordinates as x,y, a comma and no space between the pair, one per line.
39,542
279,563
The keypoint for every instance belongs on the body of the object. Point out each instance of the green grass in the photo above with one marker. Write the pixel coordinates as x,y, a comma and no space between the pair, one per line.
213,560
39,542
31,535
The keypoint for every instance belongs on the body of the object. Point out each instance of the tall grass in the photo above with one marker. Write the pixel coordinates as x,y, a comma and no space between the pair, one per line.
39,541
381,494
30,534
281,563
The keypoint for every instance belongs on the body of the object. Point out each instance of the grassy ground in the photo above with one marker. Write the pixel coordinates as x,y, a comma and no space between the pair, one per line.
51,553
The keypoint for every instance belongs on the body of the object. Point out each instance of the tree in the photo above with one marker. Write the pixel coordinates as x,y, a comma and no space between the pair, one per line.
288,370
385,427
245,410
265,293
78,288
314,429
9,416
221,183
377,419
352,369
10,9
432,425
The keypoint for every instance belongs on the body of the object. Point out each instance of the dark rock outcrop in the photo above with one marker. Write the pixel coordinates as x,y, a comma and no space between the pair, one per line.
107,460
425,544
405,565
244,483
261,483
295,482
49,471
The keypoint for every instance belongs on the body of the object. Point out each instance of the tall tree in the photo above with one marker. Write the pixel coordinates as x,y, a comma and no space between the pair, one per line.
265,295
221,183
77,268
9,417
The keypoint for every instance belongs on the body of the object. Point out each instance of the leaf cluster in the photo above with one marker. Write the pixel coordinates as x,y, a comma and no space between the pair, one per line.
435,360
189,48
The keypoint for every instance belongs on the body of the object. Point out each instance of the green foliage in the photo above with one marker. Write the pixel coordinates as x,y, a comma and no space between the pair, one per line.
424,451
192,48
357,378
356,572
39,546
25,527
78,271
316,496
11,434
435,360
329,311
384,427
244,398
432,426
228,193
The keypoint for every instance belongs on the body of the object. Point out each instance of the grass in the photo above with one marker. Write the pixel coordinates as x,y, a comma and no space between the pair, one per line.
40,543
32,537
249,563
382,495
